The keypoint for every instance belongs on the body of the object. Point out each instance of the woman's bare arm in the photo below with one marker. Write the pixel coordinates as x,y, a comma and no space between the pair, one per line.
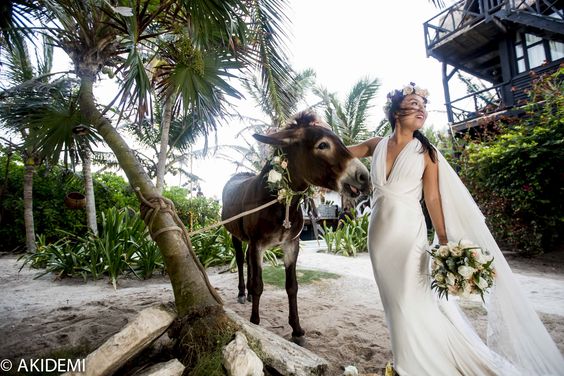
432,196
364,149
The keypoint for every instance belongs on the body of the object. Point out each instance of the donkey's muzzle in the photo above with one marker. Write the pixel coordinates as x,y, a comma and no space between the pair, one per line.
357,180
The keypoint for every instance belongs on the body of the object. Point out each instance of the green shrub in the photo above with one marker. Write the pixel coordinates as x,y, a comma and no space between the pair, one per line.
195,212
49,189
349,237
516,177
123,246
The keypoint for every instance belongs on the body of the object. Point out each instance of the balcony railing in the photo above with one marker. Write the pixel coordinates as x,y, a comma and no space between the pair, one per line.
476,104
451,20
469,12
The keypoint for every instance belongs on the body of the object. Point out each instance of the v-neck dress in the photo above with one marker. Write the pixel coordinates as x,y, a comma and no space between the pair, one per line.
425,339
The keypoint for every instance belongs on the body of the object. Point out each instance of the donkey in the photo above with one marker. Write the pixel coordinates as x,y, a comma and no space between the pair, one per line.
315,156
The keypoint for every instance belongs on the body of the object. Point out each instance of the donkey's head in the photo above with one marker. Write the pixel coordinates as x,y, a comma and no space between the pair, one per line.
316,156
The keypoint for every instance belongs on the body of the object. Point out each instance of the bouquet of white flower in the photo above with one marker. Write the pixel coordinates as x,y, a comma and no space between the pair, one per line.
461,269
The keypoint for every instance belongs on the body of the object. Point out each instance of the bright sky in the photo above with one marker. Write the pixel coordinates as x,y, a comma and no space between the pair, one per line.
344,42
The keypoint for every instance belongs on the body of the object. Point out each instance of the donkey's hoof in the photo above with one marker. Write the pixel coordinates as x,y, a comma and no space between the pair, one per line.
241,299
300,341
249,298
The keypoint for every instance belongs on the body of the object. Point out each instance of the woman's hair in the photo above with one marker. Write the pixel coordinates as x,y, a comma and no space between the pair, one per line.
394,99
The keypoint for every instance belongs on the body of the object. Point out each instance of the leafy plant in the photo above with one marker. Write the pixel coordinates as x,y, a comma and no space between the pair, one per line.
123,246
214,247
516,177
61,257
349,237
195,212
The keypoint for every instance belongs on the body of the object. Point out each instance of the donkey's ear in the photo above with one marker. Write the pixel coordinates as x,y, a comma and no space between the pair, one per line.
282,138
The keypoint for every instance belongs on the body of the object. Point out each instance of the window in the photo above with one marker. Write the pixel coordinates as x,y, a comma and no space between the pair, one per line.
532,51
556,50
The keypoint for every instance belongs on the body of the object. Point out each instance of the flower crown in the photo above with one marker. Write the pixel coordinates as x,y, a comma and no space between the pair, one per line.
397,95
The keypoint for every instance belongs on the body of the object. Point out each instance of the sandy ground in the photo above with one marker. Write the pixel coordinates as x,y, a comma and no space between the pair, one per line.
343,318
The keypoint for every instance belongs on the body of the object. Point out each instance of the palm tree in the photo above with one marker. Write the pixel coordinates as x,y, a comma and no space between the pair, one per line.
348,118
222,36
251,157
46,114
179,135
38,109
295,93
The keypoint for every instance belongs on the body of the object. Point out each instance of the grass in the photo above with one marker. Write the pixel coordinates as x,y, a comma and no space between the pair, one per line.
276,276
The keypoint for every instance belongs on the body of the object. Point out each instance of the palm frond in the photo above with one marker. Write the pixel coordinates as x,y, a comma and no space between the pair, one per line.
16,19
268,39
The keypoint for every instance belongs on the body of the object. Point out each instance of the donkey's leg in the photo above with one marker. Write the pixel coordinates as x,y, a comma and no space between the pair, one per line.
249,296
255,285
240,258
291,250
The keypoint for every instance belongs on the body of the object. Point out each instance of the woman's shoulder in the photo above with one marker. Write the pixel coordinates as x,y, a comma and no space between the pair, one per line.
365,148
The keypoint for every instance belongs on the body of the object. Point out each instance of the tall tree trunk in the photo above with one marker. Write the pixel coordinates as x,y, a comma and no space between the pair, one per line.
28,203
166,119
89,189
190,283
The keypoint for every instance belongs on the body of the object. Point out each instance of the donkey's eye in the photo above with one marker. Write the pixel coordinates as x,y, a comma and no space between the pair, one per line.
323,145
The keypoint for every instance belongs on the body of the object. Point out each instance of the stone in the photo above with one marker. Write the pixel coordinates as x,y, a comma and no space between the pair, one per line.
284,356
171,368
240,360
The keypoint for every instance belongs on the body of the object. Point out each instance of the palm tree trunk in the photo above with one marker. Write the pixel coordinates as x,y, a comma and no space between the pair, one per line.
192,290
28,203
89,189
165,130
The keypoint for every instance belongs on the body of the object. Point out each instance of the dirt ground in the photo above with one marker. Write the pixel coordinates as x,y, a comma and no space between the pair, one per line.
343,318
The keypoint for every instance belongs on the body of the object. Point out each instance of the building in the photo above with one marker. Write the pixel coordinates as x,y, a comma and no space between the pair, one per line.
500,42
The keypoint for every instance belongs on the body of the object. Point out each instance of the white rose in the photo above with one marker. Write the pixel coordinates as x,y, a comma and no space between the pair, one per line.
456,251
443,251
274,176
440,277
408,90
482,283
437,264
276,160
422,92
284,164
466,271
281,194
450,279
483,258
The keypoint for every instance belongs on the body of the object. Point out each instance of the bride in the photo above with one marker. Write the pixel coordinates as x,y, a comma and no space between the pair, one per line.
432,336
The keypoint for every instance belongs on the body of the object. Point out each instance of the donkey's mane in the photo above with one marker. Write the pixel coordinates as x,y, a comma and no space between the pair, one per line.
304,119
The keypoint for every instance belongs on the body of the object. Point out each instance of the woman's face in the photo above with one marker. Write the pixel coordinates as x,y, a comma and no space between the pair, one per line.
412,112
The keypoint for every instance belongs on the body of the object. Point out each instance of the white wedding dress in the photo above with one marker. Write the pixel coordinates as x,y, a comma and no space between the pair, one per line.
431,336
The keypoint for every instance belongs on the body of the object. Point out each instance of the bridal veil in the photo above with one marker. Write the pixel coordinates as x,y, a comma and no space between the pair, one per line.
514,328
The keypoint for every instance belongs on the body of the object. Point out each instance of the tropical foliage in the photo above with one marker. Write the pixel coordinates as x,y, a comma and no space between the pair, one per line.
348,118
349,237
123,246
183,54
516,176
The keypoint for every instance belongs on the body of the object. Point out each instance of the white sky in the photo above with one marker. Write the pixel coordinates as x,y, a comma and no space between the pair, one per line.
344,41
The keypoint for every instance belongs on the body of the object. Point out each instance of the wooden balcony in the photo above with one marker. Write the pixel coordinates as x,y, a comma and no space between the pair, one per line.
467,34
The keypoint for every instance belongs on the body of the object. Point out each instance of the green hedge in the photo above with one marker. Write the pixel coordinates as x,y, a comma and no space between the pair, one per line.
516,177
51,216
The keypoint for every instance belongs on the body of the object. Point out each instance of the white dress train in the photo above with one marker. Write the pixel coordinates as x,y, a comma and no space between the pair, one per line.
432,336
